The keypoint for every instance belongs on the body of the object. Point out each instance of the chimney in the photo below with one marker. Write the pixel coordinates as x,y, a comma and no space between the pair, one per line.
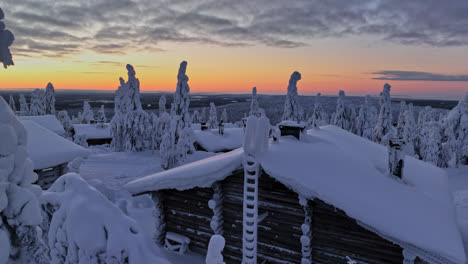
291,128
396,157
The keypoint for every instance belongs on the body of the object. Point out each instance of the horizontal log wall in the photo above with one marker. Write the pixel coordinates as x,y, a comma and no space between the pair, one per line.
46,177
187,213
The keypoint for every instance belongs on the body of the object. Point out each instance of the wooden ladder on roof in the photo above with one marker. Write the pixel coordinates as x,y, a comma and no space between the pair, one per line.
250,210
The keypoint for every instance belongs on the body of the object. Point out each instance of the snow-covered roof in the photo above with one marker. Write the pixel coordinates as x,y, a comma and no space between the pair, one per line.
290,123
47,149
93,131
48,121
348,172
212,141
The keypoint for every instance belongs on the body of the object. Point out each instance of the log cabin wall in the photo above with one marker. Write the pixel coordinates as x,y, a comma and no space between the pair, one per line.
46,177
187,213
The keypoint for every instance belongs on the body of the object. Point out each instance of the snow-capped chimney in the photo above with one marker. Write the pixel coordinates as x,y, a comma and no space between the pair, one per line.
291,128
396,157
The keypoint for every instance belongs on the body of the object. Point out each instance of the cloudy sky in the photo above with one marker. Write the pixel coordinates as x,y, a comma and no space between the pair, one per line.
420,47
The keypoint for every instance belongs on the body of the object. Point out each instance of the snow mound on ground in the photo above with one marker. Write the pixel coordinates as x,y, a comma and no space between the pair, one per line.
49,122
349,172
47,149
212,141
92,131
200,173
87,228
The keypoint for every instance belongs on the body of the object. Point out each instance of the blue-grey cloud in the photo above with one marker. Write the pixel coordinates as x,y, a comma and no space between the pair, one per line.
133,24
418,76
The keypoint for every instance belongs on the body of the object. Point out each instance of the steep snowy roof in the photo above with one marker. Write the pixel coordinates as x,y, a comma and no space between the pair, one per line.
48,121
212,141
92,131
47,149
348,172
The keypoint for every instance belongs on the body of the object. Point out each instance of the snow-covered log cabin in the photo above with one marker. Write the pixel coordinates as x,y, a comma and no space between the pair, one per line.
321,199
49,122
49,152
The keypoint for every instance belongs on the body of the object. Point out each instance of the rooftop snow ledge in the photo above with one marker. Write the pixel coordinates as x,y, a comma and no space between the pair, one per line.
202,173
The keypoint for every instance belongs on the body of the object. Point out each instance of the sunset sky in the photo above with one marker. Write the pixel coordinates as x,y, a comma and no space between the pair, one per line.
419,47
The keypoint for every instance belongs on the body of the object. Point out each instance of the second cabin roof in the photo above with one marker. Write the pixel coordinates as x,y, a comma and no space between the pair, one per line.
348,172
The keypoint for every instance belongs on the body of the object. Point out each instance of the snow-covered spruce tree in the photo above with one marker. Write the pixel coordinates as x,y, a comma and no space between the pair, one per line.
203,115
431,143
101,116
20,214
66,122
137,129
117,121
341,118
87,115
401,119
384,121
254,103
12,104
24,107
292,109
162,105
49,99
6,39
37,106
167,150
364,121
86,227
196,117
456,133
213,119
409,130
351,112
316,118
224,116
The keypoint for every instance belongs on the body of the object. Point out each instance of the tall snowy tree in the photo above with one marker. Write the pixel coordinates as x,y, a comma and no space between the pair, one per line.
20,213
203,115
37,106
66,122
162,105
136,129
196,117
6,39
401,119
101,117
341,115
12,104
409,131
456,133
431,143
213,119
317,117
384,122
87,115
254,104
364,121
24,107
292,109
49,99
224,116
351,112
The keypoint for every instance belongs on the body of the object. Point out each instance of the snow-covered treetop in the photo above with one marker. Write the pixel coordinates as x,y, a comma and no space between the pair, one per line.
162,105
292,108
181,96
254,103
49,99
6,39
133,90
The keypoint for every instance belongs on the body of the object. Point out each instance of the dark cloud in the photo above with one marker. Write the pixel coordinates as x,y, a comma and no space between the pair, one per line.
418,76
114,26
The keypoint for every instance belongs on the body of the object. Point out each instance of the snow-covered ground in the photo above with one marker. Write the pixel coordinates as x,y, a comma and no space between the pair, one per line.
458,183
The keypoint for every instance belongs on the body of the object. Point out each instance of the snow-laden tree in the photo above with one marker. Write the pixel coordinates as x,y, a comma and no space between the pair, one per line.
317,117
213,119
426,115
87,115
6,39
409,131
66,122
117,121
49,99
24,107
431,143
164,125
167,151
203,115
154,124
224,116
37,106
401,119
20,214
196,117
254,103
85,227
12,104
137,129
162,105
456,133
364,121
101,116
292,109
384,121
351,112
341,115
